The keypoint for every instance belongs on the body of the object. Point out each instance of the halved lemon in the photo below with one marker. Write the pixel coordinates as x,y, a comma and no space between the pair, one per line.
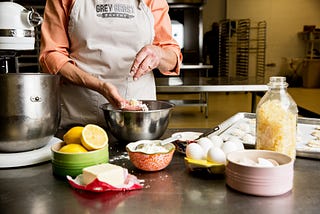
73,135
94,137
72,148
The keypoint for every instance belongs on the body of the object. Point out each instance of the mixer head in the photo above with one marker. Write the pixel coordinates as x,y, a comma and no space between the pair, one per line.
16,31
17,26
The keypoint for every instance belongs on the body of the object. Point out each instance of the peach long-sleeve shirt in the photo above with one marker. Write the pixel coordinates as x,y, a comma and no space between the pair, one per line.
55,43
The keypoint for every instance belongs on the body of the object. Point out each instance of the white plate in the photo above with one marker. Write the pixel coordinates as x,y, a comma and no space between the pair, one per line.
181,144
187,136
18,159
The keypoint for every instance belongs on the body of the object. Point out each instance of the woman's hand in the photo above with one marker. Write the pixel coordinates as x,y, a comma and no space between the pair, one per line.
110,92
75,75
147,59
151,57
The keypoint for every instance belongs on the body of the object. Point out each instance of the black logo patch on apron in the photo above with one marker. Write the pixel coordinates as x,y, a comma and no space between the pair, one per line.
125,11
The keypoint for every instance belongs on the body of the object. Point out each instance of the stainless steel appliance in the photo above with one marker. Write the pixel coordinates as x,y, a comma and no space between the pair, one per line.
29,102
29,110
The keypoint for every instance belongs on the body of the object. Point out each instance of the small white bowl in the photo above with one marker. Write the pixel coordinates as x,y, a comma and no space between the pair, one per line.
258,180
186,138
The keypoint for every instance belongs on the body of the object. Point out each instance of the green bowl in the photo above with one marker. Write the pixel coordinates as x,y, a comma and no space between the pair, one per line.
64,164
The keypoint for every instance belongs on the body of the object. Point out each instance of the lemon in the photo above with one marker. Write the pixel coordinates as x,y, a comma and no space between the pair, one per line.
73,135
94,137
72,148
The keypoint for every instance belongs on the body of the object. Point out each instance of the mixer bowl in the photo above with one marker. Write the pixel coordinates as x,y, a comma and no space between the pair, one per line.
29,110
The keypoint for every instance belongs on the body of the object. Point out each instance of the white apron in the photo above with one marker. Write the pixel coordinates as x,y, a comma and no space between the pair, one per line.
105,36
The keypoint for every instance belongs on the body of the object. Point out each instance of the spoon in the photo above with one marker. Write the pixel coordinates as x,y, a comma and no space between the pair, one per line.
162,142
208,132
170,139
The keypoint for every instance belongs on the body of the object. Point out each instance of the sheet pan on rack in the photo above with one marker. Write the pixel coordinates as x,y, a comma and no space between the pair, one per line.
241,126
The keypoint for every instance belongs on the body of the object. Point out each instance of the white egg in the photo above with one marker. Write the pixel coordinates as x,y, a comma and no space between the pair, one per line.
237,132
239,145
244,127
234,139
247,161
216,155
205,143
226,137
229,146
216,140
265,162
249,139
195,151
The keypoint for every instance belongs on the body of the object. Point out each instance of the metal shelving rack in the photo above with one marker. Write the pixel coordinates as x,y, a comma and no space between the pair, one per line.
261,48
239,41
242,47
225,30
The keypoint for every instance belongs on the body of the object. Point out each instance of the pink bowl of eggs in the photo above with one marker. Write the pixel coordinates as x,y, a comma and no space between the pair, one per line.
259,172
210,153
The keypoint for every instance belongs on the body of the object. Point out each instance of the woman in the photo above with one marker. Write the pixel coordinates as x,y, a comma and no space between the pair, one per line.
106,49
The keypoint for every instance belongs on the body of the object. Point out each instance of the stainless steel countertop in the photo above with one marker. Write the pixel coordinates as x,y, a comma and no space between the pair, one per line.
210,84
173,190
195,66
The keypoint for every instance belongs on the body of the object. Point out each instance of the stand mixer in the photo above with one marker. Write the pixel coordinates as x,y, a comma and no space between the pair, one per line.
29,102
16,32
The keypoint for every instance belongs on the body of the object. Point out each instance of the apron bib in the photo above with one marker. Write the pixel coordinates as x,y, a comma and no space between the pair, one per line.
105,36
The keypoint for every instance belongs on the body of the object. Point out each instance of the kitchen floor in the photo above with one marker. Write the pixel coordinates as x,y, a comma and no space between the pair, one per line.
223,105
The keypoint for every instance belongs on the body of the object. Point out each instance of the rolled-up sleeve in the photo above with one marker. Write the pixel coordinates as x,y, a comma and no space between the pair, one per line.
54,39
163,31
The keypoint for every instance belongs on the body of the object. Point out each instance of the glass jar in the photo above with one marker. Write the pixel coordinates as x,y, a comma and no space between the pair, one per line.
276,119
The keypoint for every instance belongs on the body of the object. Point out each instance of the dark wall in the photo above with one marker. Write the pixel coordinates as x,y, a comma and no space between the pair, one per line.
190,17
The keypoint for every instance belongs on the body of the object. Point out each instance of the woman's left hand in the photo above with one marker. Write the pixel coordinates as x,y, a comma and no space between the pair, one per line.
147,59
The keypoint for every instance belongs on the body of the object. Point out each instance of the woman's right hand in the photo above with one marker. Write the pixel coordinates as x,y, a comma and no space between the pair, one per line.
79,77
110,92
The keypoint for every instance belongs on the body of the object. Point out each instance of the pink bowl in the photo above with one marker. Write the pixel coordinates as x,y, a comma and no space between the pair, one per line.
150,161
257,180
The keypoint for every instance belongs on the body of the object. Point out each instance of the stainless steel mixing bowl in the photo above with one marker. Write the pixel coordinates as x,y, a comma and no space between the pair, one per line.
131,126
29,110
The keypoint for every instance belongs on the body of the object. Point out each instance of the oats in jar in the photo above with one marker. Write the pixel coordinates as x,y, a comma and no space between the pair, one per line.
276,128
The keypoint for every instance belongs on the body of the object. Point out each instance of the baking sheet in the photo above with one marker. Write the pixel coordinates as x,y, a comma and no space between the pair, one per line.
241,127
